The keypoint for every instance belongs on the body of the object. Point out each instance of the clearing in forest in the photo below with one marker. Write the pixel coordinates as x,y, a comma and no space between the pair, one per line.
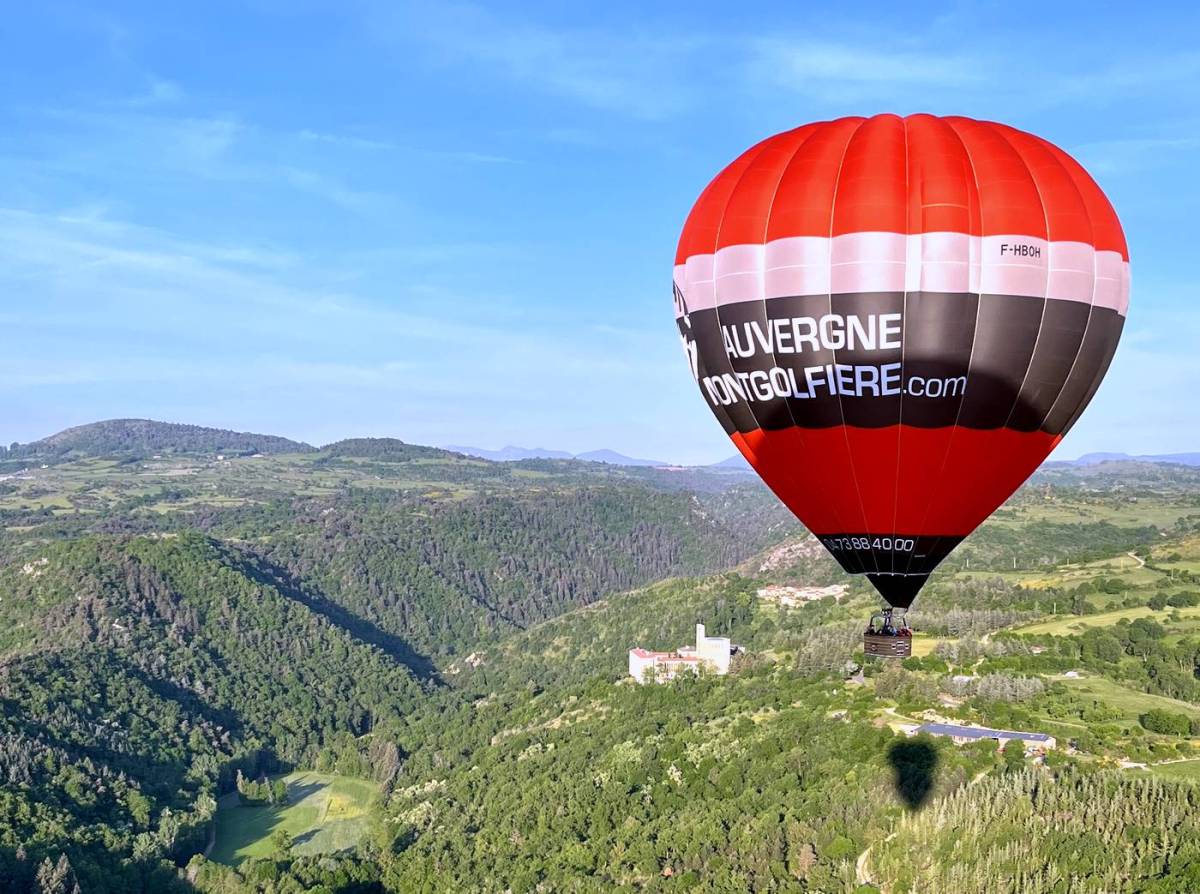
324,814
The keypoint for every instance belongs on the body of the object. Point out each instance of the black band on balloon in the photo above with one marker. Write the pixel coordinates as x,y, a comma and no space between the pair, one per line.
889,554
896,564
923,359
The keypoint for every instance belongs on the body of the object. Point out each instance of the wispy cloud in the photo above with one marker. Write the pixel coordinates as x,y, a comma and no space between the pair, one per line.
1125,155
349,141
326,187
345,140
116,301
1024,77
202,139
159,91
1131,75
663,73
829,70
627,71
143,142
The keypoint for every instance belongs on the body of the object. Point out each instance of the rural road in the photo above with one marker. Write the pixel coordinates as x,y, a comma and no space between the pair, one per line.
862,872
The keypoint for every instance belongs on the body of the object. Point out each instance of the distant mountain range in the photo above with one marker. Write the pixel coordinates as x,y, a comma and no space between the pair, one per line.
145,437
511,454
126,437
735,462
514,454
1091,459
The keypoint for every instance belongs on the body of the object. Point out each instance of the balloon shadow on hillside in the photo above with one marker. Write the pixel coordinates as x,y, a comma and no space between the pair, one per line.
915,767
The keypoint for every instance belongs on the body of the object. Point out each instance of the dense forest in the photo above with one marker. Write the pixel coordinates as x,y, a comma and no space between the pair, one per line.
449,575
150,658
152,671
742,784
1030,832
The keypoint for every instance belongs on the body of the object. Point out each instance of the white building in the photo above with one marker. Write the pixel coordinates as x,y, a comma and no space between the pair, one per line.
710,652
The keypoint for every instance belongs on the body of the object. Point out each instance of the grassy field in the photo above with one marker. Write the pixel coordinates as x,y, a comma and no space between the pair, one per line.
1187,770
1162,513
324,814
1071,625
923,644
1191,566
1187,548
1124,567
1071,575
1131,702
93,485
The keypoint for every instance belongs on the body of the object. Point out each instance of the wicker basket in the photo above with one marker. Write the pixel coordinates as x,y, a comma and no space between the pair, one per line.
882,646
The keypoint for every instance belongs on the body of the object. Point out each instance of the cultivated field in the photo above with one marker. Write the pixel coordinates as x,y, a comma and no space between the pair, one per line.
1074,624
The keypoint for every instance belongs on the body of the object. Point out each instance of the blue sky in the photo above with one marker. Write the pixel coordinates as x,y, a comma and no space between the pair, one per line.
455,223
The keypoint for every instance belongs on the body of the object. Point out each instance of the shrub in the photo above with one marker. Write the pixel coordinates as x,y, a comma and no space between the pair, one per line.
1169,723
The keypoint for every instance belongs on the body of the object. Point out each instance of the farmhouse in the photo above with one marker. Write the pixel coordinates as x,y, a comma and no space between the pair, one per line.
962,735
712,653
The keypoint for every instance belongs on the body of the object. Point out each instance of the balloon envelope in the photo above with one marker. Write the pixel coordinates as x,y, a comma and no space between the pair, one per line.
896,320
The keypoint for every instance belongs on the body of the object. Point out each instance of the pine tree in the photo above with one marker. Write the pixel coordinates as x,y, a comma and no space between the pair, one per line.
57,878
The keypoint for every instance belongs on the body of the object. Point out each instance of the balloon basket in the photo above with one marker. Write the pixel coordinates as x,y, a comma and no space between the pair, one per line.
887,646
888,635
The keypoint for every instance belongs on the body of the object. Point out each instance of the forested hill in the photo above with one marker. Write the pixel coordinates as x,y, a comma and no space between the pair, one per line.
447,576
437,550
385,450
141,675
169,618
145,437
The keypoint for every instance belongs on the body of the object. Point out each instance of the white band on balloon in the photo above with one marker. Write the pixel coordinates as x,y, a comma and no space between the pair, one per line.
895,262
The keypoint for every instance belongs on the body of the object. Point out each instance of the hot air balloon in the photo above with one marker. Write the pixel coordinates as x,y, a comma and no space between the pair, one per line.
896,319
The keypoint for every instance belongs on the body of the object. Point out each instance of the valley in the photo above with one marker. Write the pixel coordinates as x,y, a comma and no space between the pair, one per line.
430,651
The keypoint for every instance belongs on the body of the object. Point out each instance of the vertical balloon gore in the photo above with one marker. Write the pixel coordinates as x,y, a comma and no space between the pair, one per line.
896,320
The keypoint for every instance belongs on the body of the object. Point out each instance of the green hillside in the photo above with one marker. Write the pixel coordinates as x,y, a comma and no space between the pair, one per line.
452,573
142,674
384,450
143,437
454,633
